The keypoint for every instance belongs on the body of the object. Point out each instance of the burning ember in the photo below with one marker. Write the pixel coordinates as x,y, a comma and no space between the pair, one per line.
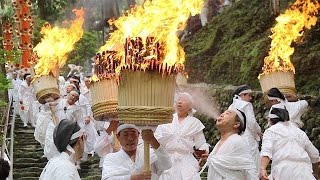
289,27
51,52
146,36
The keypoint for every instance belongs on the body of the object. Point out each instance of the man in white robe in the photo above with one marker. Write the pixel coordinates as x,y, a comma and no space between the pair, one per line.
85,89
295,109
293,155
13,91
242,97
180,137
27,101
231,159
69,140
105,141
127,164
63,109
43,119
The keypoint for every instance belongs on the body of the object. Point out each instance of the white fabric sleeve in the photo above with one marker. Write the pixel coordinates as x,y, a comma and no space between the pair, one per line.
103,145
267,144
251,119
311,150
200,141
163,161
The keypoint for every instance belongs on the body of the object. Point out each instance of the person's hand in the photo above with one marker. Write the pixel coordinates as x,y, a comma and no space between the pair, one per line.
112,126
141,176
87,120
264,174
148,137
203,158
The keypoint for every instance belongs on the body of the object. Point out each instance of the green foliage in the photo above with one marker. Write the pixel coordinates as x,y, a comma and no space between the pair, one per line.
231,48
84,50
7,12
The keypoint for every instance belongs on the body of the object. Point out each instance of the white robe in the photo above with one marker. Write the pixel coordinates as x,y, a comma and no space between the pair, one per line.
119,166
232,161
26,95
43,119
296,110
90,129
50,150
291,152
253,130
60,167
62,111
14,93
104,144
179,140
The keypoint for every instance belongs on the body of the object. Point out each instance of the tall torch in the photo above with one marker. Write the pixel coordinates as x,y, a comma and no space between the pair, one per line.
278,71
150,57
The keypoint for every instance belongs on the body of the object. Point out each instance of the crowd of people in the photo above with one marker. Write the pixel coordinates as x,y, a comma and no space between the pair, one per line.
68,133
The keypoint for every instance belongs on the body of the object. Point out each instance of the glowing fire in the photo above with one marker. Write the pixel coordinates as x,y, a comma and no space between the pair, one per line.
55,45
154,25
289,27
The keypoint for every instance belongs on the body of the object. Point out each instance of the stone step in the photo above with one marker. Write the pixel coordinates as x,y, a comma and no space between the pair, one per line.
30,160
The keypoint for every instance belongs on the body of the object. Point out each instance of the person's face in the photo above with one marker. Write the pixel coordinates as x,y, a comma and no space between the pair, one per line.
14,76
28,80
72,98
246,97
183,105
227,121
87,83
128,139
69,89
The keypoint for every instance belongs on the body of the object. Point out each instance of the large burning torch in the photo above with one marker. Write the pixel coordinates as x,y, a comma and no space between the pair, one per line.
278,71
51,54
150,57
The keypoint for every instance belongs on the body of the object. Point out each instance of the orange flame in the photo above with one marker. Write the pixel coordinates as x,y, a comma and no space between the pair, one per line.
289,27
55,45
159,19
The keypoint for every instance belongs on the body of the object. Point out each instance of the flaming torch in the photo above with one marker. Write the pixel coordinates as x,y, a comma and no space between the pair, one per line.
150,57
278,71
51,54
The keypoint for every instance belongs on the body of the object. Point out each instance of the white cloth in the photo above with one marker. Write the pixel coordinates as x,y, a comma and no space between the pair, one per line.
252,133
179,140
291,152
63,110
232,161
60,167
90,129
86,93
43,119
50,150
296,110
26,95
14,93
104,144
119,166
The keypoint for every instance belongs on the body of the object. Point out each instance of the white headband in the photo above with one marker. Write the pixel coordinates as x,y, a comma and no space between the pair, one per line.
275,98
246,91
74,92
127,126
74,136
238,113
28,76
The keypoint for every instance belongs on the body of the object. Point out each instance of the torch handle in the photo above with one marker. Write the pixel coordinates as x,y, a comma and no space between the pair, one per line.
146,166
54,118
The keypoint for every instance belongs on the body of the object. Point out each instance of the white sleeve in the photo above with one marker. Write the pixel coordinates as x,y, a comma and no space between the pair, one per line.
103,145
200,141
251,119
311,150
109,171
126,177
267,144
163,161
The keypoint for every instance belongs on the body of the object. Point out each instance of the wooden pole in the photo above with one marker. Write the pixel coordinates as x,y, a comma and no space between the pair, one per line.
146,166
117,145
